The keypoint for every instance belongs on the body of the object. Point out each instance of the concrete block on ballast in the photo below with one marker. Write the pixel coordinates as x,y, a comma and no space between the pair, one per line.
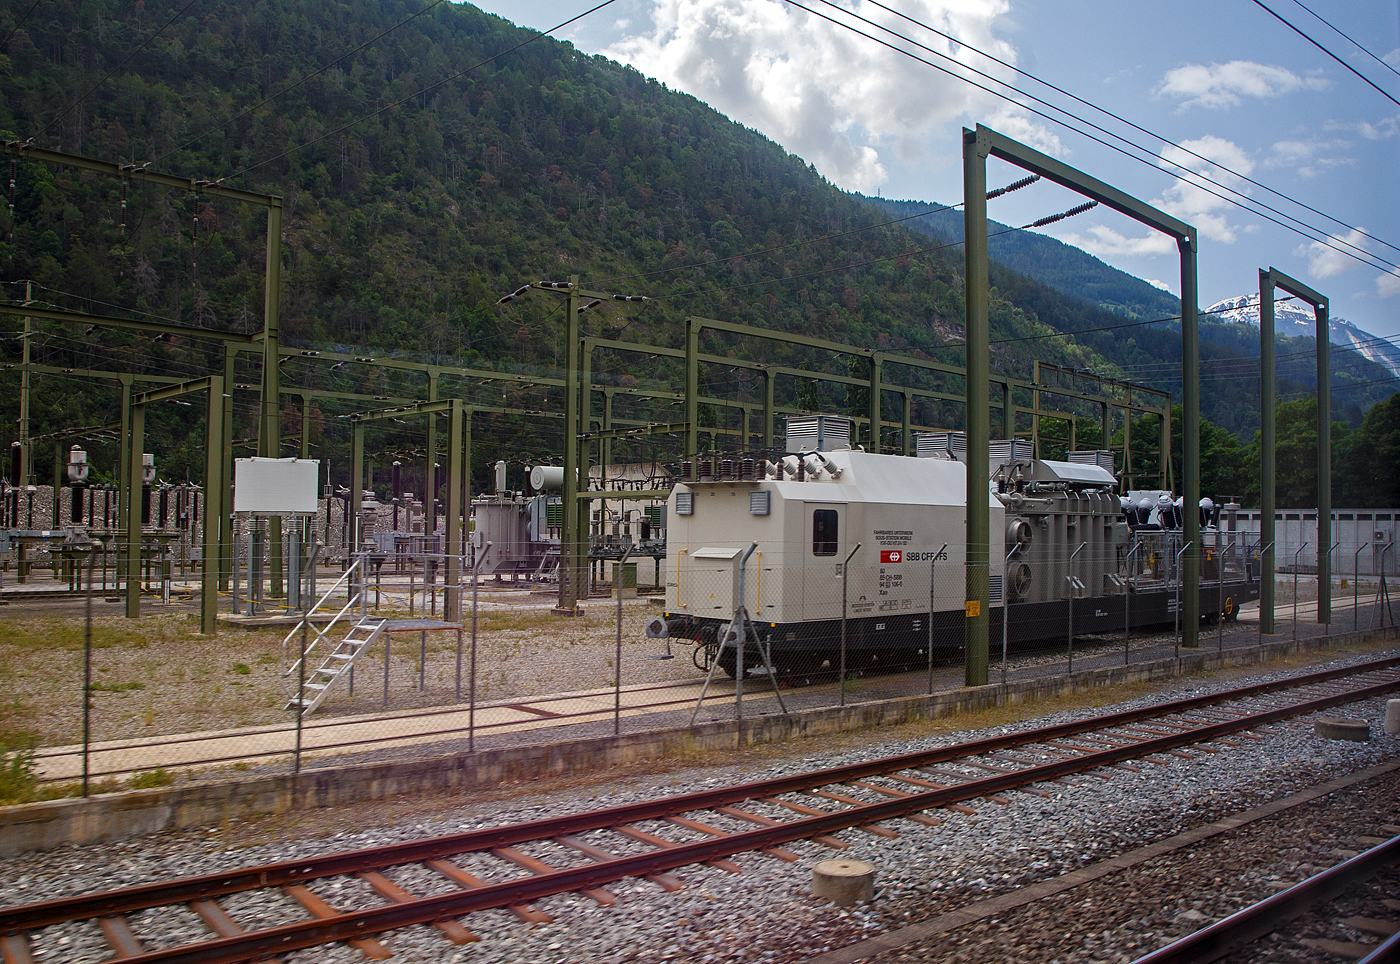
1334,728
1392,717
844,882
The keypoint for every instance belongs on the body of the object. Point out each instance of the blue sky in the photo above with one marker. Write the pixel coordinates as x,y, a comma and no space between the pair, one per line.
1223,79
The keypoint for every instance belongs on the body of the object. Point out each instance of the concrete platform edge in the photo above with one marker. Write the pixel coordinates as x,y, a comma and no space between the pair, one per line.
112,816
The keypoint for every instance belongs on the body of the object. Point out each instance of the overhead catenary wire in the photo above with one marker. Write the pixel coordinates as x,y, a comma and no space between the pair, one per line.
1366,80
418,93
20,23
1348,37
1118,117
1185,174
144,44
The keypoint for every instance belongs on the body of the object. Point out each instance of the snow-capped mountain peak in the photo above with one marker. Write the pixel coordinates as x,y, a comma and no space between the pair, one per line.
1295,319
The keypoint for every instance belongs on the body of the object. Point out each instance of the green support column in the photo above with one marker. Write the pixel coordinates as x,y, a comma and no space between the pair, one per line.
1190,446
1324,465
226,473
1267,404
305,426
431,473
212,552
123,463
606,457
1127,436
270,427
977,619
467,414
131,503
1164,448
1107,433
25,386
692,388
768,408
907,431
357,489
568,550
1008,413
452,601
876,419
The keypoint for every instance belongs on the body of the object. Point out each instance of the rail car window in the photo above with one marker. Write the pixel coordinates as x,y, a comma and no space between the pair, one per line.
824,532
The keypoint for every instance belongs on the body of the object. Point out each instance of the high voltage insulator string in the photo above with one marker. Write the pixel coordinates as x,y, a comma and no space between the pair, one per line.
1187,176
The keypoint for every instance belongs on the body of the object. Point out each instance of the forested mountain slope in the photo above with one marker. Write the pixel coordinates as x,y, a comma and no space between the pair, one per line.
428,174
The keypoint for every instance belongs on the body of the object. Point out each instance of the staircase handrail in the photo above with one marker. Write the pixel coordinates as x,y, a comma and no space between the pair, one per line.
350,601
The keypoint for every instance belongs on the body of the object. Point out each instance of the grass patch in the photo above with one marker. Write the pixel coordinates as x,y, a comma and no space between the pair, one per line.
150,779
19,778
240,669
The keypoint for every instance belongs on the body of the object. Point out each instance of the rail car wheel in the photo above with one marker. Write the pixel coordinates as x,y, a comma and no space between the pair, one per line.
729,662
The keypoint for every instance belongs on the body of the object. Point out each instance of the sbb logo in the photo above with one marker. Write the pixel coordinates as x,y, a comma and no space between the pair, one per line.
891,555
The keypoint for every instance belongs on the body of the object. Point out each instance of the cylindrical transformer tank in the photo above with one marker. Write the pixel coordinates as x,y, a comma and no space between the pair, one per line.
547,478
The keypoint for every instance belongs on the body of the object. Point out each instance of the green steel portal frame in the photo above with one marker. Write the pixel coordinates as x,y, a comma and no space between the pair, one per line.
579,392
215,518
1268,281
978,145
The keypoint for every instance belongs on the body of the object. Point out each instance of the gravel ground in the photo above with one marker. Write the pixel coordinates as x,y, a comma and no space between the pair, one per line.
159,676
767,913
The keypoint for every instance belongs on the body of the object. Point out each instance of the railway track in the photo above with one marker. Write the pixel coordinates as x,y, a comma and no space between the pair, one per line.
1271,915
515,866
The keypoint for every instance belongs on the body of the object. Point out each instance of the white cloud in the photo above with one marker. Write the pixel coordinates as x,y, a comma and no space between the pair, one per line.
1160,284
1324,261
1382,130
1310,158
1104,242
1222,85
1388,284
1197,205
830,96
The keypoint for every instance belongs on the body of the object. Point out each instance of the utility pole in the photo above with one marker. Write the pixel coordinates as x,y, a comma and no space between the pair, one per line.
24,386
270,427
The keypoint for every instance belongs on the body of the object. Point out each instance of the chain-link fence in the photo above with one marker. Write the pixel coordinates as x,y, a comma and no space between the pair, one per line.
398,657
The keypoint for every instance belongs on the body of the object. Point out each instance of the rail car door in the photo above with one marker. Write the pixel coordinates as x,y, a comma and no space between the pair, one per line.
823,552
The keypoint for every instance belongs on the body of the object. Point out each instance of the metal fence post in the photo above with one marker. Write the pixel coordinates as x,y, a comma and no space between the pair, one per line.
845,569
1177,619
1128,595
1295,595
617,662
932,607
1070,626
1356,587
1328,596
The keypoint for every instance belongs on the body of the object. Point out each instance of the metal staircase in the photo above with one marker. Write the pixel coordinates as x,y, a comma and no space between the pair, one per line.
363,632
337,663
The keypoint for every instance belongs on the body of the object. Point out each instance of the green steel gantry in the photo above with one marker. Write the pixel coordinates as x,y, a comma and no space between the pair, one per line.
978,145
1268,281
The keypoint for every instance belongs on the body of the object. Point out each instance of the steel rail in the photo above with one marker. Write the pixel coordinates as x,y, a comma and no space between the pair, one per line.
298,871
1217,940
427,910
358,924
